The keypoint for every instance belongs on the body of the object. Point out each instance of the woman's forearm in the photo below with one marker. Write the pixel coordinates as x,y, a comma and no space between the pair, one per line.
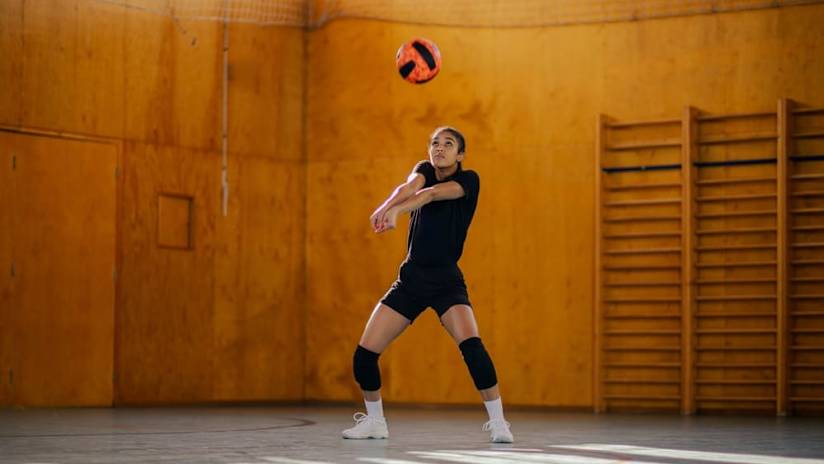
415,201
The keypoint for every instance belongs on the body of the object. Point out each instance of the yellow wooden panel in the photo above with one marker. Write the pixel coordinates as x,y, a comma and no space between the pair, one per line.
8,151
72,67
49,51
11,66
266,91
173,81
64,242
259,283
165,302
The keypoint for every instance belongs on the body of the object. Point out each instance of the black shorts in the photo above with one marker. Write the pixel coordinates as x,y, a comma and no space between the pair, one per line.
418,288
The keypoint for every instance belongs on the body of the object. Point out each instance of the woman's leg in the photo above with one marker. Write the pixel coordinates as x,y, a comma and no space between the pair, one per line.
459,321
384,325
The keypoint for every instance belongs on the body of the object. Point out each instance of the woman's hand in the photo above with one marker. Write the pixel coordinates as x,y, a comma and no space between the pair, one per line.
389,220
377,217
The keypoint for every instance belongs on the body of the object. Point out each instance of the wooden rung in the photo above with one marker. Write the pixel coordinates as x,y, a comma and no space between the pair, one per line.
806,313
737,139
722,117
641,284
643,397
733,331
673,143
735,247
735,314
801,399
643,219
643,251
806,262
614,188
643,316
807,348
743,230
750,180
651,267
642,348
807,331
735,348
642,300
806,176
643,235
733,281
736,214
738,399
642,365
734,382
643,332
643,381
735,298
808,245
807,211
739,264
809,193
735,365
808,110
806,228
807,365
807,297
651,122
735,198
808,134
662,201
807,382
807,279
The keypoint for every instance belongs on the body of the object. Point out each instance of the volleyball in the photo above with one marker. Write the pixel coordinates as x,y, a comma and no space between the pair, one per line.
418,60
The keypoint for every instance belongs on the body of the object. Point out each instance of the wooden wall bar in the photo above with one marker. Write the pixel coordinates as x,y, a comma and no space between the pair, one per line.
642,265
747,337
805,220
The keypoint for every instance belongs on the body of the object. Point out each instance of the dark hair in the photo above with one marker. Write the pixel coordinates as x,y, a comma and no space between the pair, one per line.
453,131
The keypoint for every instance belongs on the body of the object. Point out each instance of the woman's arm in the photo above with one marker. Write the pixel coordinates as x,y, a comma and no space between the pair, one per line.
446,191
413,183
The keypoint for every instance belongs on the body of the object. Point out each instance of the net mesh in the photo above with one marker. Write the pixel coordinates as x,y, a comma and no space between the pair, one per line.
458,13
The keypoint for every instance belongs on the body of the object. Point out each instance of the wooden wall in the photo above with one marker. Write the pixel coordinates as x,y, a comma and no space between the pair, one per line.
321,129
527,99
222,321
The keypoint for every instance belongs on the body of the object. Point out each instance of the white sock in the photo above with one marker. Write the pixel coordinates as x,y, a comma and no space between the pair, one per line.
495,409
374,408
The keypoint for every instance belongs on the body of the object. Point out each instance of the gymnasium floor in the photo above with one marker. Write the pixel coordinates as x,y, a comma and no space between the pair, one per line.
311,435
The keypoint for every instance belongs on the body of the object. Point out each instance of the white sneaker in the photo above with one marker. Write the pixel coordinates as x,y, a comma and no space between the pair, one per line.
367,427
499,431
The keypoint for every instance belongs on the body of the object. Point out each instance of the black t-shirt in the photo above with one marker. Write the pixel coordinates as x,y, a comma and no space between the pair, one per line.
438,229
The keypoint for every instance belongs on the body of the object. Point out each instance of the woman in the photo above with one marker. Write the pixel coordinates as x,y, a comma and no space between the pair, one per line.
441,197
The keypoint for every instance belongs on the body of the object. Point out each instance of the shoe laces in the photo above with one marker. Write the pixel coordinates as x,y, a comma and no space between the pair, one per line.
361,418
494,423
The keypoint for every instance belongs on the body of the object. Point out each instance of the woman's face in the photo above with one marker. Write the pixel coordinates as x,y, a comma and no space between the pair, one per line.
443,150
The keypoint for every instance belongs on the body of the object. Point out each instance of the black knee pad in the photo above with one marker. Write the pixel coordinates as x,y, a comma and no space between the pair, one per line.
365,366
479,363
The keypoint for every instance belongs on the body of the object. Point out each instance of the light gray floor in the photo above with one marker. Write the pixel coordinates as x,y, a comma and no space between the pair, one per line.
312,435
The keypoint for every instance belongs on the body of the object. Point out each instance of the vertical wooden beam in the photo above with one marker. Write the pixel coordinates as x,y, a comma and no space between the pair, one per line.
598,312
782,176
689,154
